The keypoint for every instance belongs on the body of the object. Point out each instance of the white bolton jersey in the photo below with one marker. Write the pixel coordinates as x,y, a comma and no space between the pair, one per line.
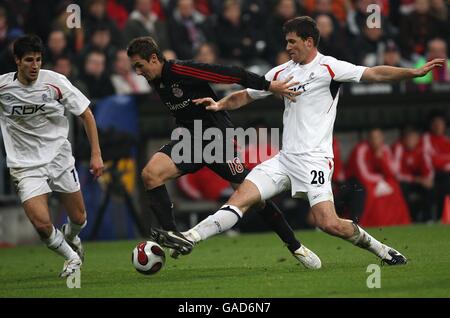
32,116
308,122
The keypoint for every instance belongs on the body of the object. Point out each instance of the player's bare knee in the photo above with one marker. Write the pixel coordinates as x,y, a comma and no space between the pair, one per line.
79,218
331,226
241,201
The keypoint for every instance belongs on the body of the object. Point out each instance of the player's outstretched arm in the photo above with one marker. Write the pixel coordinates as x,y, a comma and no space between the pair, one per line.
96,163
233,101
392,74
221,74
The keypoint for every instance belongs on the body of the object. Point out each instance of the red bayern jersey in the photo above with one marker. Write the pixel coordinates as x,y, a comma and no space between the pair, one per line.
366,167
438,148
410,164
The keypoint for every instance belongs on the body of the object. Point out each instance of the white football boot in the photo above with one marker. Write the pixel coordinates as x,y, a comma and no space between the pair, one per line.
307,257
70,267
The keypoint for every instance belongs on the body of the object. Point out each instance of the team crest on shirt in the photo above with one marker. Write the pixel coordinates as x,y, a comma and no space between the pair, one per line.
176,91
312,75
46,98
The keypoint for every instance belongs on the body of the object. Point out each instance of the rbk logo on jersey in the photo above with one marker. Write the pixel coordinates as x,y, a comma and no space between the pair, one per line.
301,87
27,109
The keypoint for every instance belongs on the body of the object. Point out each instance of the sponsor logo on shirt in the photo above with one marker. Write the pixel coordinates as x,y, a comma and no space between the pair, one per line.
178,106
27,109
301,87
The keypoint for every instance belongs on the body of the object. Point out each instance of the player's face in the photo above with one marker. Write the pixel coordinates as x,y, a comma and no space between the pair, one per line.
412,140
299,50
149,69
29,65
376,139
438,126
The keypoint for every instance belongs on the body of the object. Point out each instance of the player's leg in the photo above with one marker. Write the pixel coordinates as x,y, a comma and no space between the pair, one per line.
274,217
64,179
235,172
155,174
271,179
74,205
257,187
33,189
224,219
312,176
37,211
327,220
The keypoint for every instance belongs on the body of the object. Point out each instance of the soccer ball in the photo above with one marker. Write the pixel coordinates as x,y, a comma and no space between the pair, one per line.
148,258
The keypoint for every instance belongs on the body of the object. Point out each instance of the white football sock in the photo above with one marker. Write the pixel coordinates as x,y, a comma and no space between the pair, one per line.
222,220
192,235
364,240
57,243
73,229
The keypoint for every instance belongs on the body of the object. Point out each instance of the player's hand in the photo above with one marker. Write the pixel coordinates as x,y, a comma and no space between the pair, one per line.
428,67
283,88
208,102
96,166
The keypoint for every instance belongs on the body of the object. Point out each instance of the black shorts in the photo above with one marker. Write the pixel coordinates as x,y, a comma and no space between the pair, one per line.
231,169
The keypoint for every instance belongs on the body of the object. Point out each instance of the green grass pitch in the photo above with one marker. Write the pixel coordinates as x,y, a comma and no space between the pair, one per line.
256,265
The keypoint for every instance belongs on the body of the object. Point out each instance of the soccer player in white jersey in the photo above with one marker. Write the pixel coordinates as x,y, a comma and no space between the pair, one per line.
39,156
305,163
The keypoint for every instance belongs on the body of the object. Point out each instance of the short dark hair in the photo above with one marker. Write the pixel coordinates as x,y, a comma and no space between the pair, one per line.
144,47
304,27
436,113
27,44
409,129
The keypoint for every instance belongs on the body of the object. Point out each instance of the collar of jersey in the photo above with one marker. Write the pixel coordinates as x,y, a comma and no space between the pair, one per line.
16,79
310,64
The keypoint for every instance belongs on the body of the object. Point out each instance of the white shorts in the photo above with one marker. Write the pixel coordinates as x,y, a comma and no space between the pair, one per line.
307,176
58,175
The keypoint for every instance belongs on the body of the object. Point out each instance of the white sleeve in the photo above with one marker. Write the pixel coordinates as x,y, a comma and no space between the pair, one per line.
256,94
345,71
72,99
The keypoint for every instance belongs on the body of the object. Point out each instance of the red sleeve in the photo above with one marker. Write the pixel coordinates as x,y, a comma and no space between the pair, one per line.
438,149
221,74
365,165
441,161
398,154
386,163
426,166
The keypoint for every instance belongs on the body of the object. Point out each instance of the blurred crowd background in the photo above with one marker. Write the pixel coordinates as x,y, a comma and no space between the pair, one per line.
239,32
381,177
